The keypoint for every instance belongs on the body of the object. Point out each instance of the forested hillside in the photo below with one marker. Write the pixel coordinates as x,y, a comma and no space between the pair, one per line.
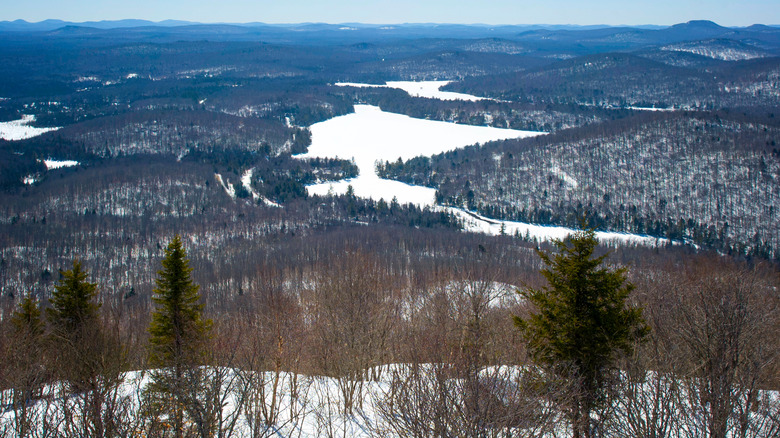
708,178
124,148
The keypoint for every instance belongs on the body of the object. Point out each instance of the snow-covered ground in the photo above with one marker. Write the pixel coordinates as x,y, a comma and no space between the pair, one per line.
246,181
294,405
229,188
647,108
50,165
369,135
19,129
476,223
429,89
56,164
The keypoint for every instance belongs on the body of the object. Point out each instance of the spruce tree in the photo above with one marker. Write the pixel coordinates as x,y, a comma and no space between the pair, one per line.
87,355
27,319
75,325
582,323
178,334
73,303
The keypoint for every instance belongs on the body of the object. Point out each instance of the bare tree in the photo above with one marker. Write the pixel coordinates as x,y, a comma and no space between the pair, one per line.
727,324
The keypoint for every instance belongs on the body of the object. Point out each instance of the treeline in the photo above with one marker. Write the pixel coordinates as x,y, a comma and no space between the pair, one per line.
500,114
642,79
683,176
122,207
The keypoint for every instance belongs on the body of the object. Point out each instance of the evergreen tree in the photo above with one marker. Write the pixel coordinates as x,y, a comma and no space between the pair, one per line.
75,325
87,355
27,319
582,323
178,334
73,303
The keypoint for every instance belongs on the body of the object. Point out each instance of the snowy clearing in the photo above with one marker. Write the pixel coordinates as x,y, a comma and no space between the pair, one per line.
246,181
229,189
476,223
645,108
369,135
56,164
427,89
18,129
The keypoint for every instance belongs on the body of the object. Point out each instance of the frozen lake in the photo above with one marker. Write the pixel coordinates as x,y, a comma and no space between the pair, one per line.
369,135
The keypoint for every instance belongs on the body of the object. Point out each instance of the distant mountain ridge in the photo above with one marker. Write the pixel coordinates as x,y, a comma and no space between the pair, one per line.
53,24
578,39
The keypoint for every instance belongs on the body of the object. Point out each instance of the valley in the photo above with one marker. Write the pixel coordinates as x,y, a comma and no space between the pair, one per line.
366,211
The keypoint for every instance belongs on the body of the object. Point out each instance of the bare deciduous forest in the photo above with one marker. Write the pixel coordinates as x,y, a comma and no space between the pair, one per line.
341,316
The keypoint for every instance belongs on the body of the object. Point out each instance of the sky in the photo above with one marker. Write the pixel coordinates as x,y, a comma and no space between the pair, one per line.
614,12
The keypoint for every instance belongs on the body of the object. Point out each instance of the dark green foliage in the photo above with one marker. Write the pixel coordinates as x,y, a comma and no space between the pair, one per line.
27,318
73,304
177,342
582,323
177,330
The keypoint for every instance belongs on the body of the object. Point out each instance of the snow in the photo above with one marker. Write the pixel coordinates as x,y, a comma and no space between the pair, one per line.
476,223
246,181
55,164
644,108
303,406
50,165
427,89
716,51
229,189
568,180
18,129
369,135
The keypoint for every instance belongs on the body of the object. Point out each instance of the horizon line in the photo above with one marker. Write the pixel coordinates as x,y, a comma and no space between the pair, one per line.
420,23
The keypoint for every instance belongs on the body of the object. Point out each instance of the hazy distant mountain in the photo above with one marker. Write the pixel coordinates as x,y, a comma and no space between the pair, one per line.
48,25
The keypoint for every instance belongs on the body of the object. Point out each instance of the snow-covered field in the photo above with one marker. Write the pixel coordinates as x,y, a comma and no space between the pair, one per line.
246,181
428,89
369,135
18,129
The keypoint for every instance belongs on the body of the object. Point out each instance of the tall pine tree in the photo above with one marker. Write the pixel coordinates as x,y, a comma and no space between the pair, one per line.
582,323
178,334
75,324
73,305
87,355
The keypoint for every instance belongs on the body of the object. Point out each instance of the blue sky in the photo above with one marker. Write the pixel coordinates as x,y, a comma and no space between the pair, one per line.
728,13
